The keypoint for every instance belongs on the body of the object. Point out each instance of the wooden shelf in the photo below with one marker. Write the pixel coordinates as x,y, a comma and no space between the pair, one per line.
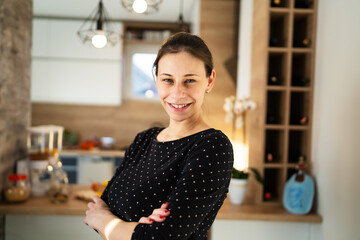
282,86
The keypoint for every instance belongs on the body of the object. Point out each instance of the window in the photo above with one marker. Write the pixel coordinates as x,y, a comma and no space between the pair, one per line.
139,83
141,75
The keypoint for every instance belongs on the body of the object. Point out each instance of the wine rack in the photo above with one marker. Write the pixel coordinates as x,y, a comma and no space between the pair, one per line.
282,84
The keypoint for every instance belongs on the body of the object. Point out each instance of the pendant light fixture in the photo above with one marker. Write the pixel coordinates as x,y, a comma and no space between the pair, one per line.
98,30
182,26
141,6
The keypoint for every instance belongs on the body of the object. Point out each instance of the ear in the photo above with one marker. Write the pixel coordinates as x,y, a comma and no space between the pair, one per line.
211,81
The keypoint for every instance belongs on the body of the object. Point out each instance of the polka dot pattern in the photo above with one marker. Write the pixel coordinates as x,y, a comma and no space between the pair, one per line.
191,173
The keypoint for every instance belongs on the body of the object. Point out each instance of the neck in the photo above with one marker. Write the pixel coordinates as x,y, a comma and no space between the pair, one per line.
177,130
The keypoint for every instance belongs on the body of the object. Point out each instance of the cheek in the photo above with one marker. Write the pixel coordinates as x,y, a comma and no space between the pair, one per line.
161,92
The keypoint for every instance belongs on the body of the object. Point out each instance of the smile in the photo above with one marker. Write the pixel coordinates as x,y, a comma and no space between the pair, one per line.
179,106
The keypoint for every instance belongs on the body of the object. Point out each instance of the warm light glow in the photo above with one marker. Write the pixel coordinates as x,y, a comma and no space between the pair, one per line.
139,6
241,155
110,226
99,40
149,93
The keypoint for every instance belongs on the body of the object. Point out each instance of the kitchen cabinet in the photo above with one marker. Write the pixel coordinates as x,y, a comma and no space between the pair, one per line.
64,70
83,166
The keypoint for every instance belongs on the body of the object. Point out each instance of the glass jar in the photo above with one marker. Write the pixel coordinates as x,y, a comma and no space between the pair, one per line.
59,190
17,188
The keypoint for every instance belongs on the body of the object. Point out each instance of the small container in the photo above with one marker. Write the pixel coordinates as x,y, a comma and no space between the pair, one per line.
59,186
17,188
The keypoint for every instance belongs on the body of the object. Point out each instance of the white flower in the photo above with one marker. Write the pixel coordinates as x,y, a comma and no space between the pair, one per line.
249,104
239,107
229,104
236,110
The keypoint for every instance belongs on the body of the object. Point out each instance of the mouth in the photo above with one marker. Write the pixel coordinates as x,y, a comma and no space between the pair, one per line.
179,106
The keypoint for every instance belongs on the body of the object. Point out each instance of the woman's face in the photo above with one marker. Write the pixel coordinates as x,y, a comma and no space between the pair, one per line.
181,84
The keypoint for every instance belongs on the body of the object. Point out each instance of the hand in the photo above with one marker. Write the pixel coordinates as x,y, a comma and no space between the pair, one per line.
158,215
98,216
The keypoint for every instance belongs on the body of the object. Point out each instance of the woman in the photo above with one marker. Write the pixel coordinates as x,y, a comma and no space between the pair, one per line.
173,180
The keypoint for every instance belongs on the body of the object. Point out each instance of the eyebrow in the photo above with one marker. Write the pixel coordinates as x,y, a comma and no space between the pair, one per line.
186,75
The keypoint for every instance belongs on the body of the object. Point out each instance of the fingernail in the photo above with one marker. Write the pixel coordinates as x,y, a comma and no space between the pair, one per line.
151,220
166,203
162,217
166,211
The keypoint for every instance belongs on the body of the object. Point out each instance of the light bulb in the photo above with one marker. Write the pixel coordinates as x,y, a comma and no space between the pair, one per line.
99,40
149,93
139,6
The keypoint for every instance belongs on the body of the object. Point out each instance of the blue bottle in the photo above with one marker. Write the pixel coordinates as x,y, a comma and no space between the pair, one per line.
299,191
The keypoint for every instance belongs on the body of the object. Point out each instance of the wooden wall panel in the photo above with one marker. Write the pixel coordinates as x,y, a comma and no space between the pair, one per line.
219,28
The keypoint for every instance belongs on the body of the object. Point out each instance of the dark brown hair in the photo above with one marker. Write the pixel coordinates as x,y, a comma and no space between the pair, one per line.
186,42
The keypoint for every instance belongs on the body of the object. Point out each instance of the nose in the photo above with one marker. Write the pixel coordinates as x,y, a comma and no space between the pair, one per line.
178,91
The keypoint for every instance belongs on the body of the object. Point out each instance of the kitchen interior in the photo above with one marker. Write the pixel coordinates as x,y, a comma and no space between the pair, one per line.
50,76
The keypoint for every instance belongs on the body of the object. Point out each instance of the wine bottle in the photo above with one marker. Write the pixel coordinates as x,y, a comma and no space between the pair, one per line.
267,196
302,43
302,3
275,41
300,81
306,42
294,156
269,157
273,80
271,118
300,170
297,119
276,3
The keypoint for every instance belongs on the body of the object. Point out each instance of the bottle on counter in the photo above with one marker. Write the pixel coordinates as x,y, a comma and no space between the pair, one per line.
17,188
59,189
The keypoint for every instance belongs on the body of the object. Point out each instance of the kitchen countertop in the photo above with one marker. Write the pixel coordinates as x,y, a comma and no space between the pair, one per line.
93,152
75,207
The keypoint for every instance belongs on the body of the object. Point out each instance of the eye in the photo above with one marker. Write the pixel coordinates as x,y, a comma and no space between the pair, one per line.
190,80
167,80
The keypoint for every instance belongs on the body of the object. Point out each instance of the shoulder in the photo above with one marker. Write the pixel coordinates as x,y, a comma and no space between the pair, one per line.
213,136
148,133
211,143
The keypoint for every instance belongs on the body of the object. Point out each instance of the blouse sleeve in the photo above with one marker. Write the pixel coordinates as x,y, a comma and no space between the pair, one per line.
198,194
123,164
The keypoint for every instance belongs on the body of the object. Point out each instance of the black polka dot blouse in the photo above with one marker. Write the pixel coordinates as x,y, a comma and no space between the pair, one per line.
192,174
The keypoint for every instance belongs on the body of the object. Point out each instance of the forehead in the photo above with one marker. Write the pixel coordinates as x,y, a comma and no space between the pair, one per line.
180,61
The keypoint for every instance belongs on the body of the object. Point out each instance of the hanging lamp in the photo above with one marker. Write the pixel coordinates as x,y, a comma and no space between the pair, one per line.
141,6
182,26
98,30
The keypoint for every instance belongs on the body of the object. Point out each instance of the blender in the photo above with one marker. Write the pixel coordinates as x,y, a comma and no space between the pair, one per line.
44,146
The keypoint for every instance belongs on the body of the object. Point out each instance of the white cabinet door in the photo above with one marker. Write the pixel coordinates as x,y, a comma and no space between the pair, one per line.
97,169
66,71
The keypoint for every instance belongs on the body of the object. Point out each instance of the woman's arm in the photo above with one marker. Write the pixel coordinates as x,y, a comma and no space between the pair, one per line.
111,227
100,218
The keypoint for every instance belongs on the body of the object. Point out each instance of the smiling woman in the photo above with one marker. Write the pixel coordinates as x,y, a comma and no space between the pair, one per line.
172,181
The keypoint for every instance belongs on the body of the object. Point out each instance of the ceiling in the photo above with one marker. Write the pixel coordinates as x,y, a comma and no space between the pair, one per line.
169,10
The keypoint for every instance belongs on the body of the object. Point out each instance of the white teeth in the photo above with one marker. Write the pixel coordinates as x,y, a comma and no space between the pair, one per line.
179,106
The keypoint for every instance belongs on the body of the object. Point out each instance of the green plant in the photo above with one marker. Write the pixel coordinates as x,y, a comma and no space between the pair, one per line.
244,174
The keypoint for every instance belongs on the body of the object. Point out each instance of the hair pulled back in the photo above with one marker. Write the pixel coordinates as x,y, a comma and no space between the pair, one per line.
186,42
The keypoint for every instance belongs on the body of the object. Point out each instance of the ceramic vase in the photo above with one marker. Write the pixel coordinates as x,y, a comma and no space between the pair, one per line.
237,190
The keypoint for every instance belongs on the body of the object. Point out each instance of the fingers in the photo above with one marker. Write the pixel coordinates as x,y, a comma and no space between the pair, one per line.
158,215
161,212
97,203
164,205
146,220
